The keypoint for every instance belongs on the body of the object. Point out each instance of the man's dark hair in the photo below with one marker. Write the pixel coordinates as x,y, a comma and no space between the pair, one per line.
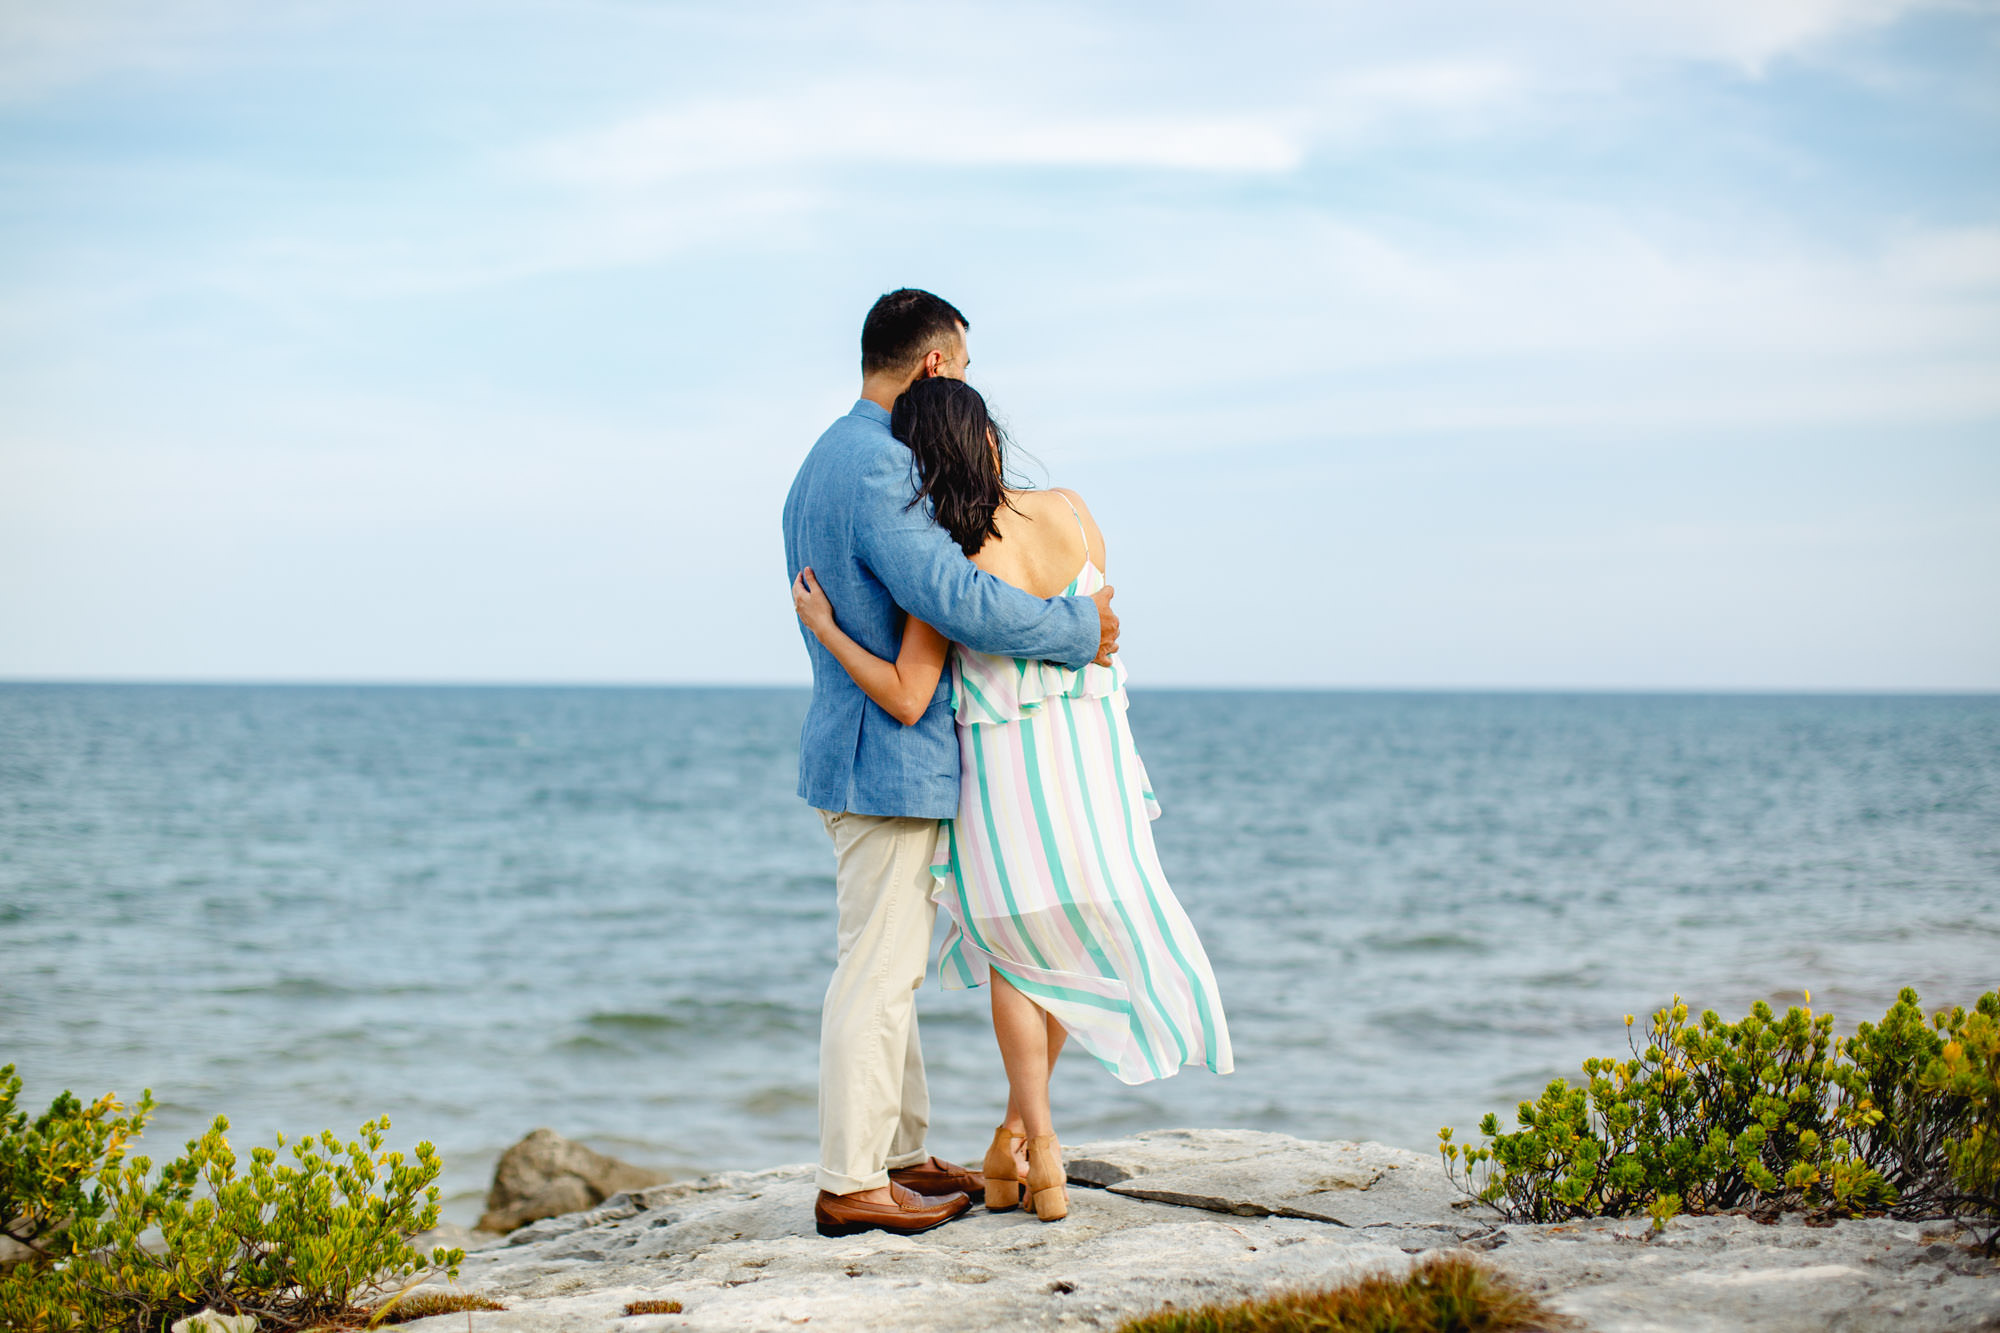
905,324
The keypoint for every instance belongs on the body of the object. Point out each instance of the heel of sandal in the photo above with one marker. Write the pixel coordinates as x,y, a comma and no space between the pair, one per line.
1003,1180
1048,1183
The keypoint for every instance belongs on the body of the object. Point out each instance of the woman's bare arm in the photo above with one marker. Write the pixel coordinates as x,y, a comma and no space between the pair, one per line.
903,687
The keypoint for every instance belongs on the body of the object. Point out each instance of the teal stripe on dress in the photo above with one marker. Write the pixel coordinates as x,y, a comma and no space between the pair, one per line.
1166,931
1131,930
965,903
958,961
978,699
1063,993
957,950
998,849
1060,881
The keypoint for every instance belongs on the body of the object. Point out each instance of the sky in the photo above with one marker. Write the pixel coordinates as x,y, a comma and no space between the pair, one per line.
1648,345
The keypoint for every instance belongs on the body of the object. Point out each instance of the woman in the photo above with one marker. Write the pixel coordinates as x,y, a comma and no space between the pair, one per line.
1048,876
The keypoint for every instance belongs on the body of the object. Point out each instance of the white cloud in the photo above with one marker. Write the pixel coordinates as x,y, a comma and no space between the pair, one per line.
1370,95
45,47
1957,258
1750,33
1323,328
839,124
1569,42
1255,48
836,124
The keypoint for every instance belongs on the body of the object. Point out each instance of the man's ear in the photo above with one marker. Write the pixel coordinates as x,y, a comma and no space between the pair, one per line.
933,361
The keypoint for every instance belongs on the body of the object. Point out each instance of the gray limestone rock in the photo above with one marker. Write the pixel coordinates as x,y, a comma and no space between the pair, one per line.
212,1321
1255,1174
13,1252
1191,1217
547,1175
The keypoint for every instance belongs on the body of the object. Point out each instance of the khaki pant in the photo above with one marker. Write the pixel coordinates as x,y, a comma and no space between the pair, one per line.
873,1104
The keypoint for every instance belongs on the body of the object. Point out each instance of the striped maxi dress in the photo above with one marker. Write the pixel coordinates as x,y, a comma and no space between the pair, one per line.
1049,873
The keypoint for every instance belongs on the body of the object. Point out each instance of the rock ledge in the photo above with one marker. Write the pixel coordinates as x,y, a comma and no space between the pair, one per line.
1187,1217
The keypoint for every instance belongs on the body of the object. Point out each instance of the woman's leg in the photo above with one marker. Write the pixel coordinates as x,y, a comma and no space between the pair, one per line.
1057,1035
1030,1040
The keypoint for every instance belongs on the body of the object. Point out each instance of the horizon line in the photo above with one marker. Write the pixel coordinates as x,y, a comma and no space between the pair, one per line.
252,682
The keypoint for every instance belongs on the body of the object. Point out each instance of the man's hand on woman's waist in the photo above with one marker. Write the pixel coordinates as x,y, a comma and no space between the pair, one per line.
1107,625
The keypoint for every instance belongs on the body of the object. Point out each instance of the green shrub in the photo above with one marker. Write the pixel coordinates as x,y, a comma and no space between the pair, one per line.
49,1167
120,1247
1439,1294
1907,1125
1967,1069
1766,1113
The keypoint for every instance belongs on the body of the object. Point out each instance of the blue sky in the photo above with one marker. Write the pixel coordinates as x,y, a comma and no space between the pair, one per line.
1647,345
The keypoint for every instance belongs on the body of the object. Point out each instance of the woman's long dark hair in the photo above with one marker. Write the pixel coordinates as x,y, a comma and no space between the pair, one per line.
959,453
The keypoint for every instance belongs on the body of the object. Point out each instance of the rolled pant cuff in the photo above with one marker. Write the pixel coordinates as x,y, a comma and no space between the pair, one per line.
917,1158
835,1183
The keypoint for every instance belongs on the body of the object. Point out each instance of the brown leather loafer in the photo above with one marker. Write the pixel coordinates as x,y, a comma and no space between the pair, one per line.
934,1175
843,1214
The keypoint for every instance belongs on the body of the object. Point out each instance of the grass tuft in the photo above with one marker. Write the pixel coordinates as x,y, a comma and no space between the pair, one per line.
653,1307
1440,1294
424,1304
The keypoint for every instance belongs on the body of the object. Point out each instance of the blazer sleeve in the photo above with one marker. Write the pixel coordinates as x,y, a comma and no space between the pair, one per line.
929,577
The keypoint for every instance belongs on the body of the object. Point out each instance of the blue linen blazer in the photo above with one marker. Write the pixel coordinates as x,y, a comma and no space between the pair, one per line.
849,517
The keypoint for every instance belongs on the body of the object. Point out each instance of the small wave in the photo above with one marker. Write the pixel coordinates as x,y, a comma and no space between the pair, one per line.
1432,942
716,1019
1430,1023
289,988
1577,978
636,1022
585,1043
775,1101
319,988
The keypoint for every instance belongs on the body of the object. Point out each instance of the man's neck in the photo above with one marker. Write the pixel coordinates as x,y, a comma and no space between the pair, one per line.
884,390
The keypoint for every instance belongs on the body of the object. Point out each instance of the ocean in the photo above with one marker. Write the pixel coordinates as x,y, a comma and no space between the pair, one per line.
482,910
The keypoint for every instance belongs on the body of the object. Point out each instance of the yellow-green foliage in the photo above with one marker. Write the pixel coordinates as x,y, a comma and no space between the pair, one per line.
1440,1294
49,1166
124,1248
1767,1113
1968,1067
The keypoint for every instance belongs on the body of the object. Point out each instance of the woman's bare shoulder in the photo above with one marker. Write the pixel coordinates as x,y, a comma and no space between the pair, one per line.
1072,497
1056,501
1065,501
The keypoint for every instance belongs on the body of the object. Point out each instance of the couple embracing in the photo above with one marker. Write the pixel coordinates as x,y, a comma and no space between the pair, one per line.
967,749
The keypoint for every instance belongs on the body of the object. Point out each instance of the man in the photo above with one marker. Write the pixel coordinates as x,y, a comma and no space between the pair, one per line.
881,787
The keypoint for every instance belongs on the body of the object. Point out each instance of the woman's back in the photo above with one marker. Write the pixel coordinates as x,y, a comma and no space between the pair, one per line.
1045,539
1049,546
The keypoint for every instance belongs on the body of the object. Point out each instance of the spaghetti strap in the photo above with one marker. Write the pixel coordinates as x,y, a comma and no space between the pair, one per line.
1084,532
